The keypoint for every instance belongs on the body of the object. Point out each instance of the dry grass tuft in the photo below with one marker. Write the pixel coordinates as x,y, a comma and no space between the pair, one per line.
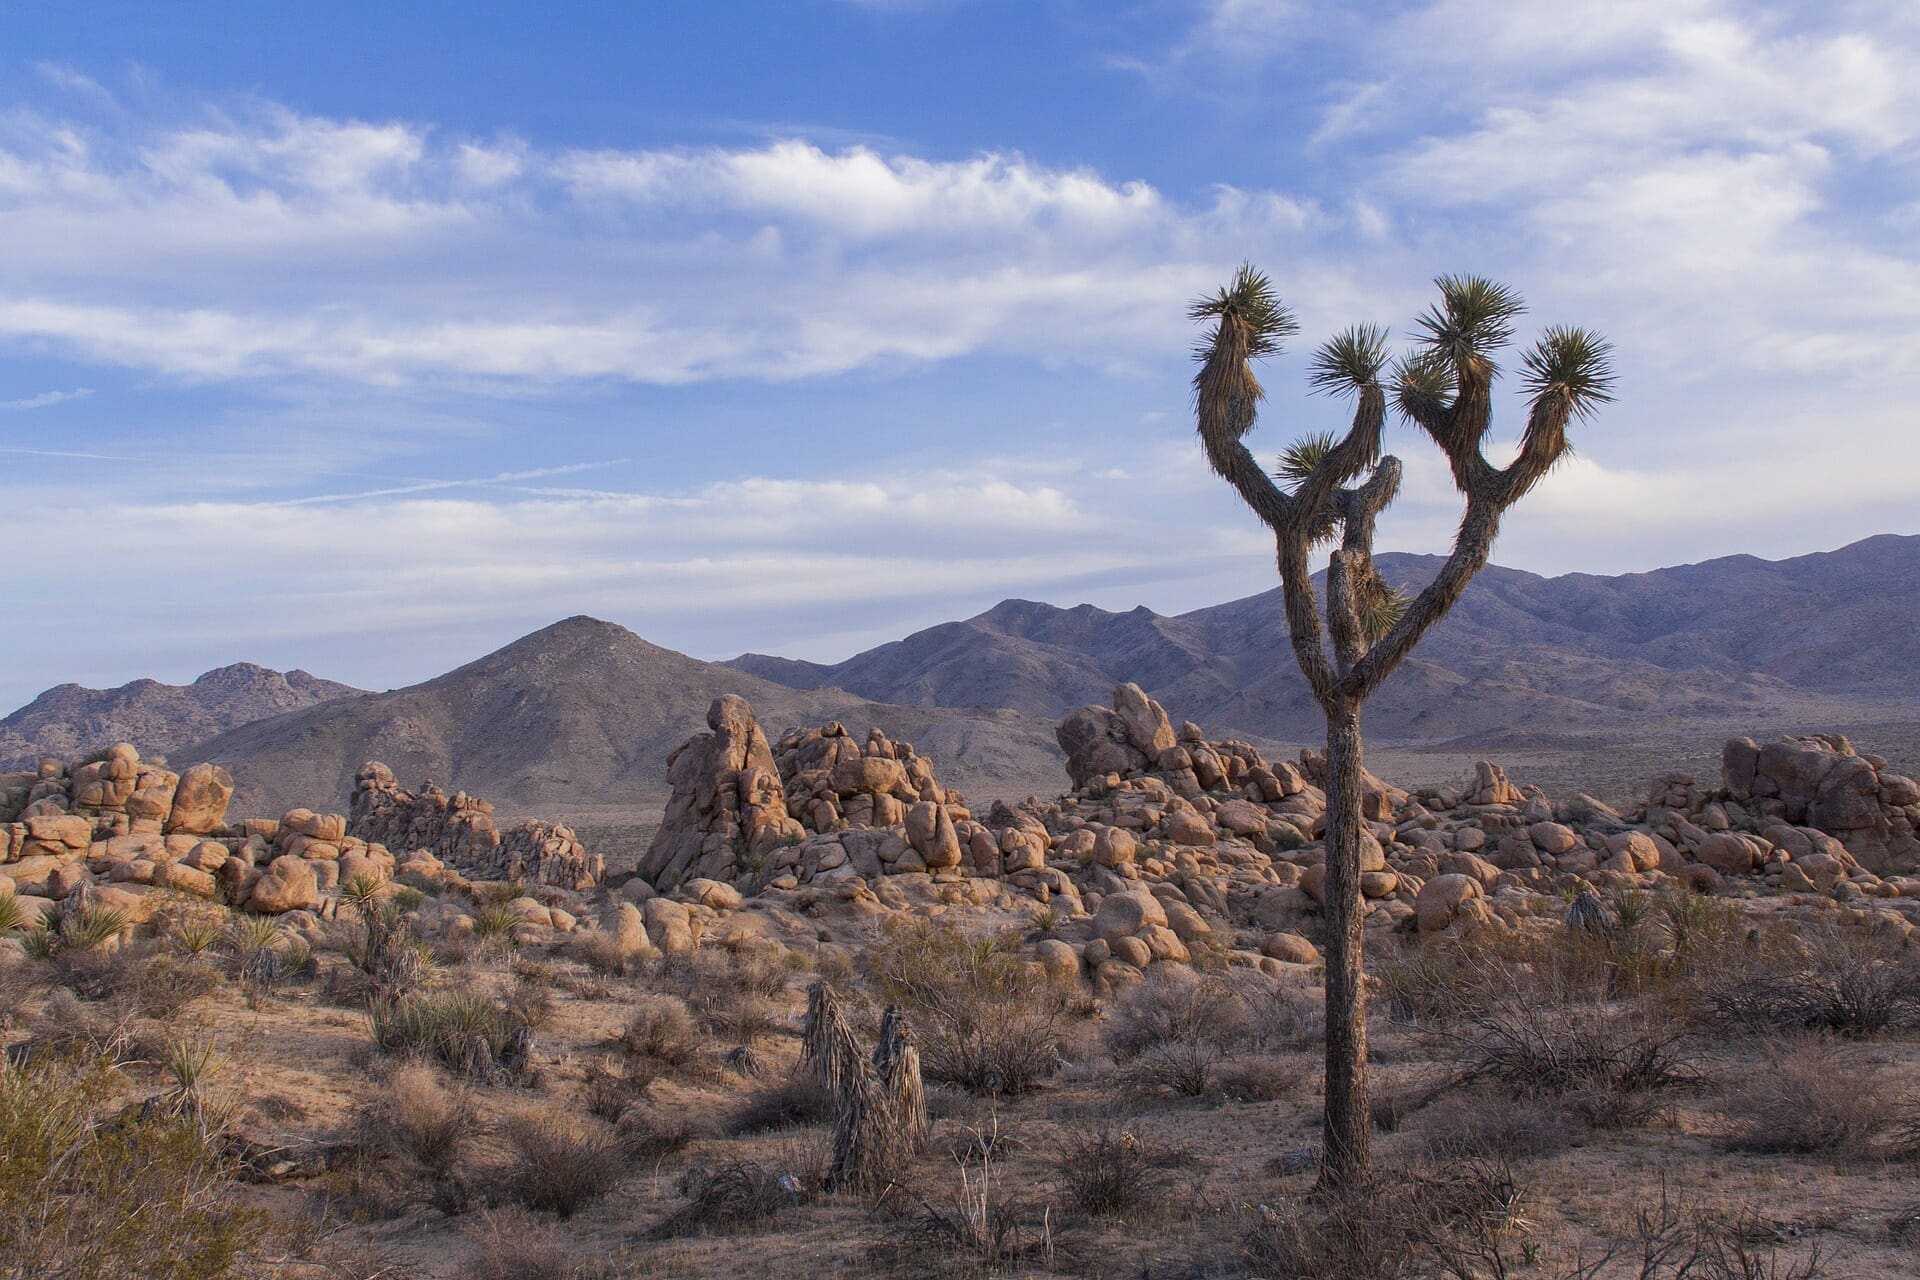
1816,1098
561,1164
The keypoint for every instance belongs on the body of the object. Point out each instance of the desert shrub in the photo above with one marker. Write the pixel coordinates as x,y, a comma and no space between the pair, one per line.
1577,1050
792,1104
90,1201
734,994
662,1032
511,1244
1477,1126
530,1002
601,952
648,1133
1840,983
495,893
69,1028
416,1116
1176,1006
1677,1240
561,1164
13,917
988,1020
1185,1068
1109,1172
1437,981
1257,1078
978,1228
731,1197
616,1084
1462,1220
1178,1032
462,1030
1815,1098
135,979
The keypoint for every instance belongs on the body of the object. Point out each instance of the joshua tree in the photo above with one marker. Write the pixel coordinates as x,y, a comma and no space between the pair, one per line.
1333,489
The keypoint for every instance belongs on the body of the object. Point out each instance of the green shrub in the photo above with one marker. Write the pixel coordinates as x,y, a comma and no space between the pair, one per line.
461,1030
495,921
987,1018
88,1201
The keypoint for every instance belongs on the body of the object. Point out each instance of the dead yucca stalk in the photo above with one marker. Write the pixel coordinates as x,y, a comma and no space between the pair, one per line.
882,1122
827,1046
897,1061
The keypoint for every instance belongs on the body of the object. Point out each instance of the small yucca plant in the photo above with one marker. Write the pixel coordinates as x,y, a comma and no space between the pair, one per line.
195,935
191,1062
13,917
40,942
495,920
92,927
248,936
362,890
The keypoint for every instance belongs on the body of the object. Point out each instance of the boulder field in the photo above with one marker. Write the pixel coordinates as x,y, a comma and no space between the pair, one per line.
1171,848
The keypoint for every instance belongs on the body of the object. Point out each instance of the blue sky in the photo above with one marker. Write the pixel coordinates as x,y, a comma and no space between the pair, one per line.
365,338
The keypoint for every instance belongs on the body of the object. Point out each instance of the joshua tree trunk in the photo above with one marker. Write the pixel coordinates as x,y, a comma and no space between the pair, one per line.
1444,388
1348,1121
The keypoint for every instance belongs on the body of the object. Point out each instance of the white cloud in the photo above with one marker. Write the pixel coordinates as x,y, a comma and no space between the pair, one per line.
46,398
260,242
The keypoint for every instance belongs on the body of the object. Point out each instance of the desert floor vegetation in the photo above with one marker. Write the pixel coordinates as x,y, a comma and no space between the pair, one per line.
1551,1103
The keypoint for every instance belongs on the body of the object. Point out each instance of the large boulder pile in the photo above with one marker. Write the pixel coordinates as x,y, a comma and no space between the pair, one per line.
820,804
727,804
118,794
1821,782
459,830
830,779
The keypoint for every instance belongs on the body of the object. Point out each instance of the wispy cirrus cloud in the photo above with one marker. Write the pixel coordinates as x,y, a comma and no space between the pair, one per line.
45,399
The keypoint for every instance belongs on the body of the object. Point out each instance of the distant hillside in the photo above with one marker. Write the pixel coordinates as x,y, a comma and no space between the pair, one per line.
1735,637
70,720
584,713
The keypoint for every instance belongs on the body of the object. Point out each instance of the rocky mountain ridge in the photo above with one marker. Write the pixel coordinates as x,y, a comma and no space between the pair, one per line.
1733,637
71,719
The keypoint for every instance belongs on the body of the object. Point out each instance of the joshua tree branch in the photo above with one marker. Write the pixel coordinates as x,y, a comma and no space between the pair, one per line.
1472,546
1357,451
1303,614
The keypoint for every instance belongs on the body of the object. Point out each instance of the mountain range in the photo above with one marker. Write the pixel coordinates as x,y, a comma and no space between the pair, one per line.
1737,636
582,714
69,719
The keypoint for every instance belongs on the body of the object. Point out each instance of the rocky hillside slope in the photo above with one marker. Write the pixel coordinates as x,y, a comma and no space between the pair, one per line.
582,712
71,720
1734,637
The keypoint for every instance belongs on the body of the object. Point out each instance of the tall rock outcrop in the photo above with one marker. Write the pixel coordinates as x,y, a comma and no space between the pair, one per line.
727,803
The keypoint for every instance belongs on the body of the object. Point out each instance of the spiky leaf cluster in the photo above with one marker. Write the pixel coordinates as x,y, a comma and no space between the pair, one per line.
1249,301
1572,363
1350,361
1473,318
1299,459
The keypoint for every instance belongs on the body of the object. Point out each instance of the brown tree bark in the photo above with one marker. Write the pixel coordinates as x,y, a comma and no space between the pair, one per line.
1348,1124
